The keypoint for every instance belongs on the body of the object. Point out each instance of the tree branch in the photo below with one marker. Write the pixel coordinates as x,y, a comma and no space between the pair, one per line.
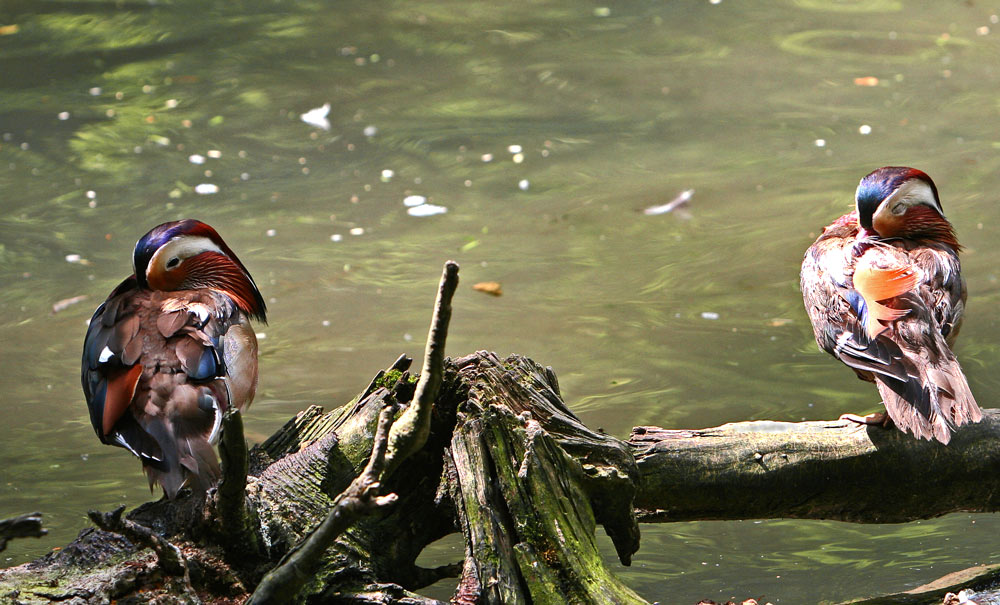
411,430
170,558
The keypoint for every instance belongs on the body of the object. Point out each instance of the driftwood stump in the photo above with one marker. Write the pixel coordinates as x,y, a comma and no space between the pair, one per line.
511,468
501,459
496,466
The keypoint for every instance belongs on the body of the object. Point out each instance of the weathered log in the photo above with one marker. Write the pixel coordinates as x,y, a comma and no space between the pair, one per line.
500,458
283,583
976,585
815,470
528,522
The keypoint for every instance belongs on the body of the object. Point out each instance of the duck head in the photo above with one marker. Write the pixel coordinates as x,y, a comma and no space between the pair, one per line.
901,202
187,255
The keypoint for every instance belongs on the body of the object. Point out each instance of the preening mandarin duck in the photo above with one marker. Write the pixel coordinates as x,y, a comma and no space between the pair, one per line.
171,350
884,291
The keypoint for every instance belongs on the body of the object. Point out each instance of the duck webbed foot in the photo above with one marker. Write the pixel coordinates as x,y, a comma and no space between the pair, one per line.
875,419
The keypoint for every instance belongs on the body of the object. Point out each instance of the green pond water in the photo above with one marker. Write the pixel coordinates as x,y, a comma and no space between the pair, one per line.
116,116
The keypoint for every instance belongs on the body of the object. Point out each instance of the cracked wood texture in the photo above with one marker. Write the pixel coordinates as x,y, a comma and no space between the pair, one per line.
509,466
552,469
523,499
815,470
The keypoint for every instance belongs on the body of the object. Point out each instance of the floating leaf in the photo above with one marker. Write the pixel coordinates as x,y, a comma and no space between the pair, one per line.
488,287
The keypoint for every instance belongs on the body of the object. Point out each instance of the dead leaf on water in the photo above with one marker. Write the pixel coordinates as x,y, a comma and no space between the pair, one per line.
7,30
866,81
777,322
488,287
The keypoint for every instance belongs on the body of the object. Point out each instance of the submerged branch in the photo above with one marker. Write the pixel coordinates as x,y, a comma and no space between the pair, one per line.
22,526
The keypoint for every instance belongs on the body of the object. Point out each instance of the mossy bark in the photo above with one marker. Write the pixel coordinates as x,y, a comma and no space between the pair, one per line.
506,412
510,467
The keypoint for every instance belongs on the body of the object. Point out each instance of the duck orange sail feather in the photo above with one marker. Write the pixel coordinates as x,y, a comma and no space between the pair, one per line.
877,284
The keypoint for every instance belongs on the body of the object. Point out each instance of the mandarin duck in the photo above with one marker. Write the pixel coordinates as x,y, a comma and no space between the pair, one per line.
883,288
171,350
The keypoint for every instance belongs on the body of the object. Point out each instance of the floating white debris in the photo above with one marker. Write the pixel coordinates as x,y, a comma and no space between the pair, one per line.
195,158
171,103
357,231
336,237
709,315
680,201
214,153
387,175
66,303
206,188
73,258
487,157
820,142
63,115
317,117
414,200
91,194
326,323
96,90
271,232
261,335
514,148
523,184
370,131
865,129
518,158
602,11
426,210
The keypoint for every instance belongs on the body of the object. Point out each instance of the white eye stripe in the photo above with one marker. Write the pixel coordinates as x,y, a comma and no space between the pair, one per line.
182,247
913,192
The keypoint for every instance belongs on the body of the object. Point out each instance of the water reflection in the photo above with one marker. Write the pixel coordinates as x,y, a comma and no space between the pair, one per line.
646,319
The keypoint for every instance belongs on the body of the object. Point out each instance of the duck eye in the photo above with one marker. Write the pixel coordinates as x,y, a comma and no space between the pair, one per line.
899,209
173,262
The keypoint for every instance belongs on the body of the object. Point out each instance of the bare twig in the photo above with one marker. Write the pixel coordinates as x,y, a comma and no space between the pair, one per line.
411,430
170,558
362,497
22,526
391,446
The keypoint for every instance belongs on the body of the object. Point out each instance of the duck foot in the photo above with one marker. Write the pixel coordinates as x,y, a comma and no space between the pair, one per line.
876,418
